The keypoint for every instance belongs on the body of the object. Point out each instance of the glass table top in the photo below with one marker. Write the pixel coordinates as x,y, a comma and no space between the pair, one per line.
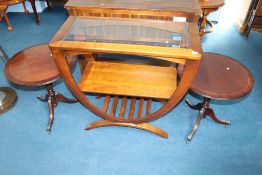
191,6
127,31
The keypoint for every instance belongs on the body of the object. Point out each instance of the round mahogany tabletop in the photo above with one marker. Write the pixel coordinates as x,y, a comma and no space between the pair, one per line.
210,4
221,77
33,66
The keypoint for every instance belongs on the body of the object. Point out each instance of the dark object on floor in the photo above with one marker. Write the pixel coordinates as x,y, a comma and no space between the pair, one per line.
5,3
7,99
3,55
207,7
7,94
35,67
222,78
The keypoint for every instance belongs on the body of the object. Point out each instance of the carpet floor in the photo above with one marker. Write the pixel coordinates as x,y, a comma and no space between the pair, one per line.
27,149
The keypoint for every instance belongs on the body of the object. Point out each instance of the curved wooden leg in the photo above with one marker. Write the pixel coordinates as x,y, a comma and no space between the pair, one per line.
1,19
62,98
211,114
212,26
203,22
52,103
198,106
51,114
201,115
3,12
37,19
143,126
48,4
25,10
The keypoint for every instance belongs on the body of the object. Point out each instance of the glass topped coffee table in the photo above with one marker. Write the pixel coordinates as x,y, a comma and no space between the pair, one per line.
120,84
150,9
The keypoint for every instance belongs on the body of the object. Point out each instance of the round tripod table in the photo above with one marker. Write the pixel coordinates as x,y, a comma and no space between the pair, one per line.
222,78
35,67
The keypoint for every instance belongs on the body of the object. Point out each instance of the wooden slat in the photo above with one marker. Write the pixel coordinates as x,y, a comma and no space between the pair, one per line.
82,63
148,107
129,80
140,109
114,105
106,103
132,108
123,108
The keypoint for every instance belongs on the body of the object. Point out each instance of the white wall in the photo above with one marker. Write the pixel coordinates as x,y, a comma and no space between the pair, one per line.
239,10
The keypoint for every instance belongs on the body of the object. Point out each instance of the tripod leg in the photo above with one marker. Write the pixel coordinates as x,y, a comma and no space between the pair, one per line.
37,19
192,133
51,115
195,107
3,12
62,98
25,10
48,4
211,114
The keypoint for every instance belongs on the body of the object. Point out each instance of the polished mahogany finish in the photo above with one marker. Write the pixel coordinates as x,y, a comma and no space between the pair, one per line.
207,7
222,78
149,9
35,67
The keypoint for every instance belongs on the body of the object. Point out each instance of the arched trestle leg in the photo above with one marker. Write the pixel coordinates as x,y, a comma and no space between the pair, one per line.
143,126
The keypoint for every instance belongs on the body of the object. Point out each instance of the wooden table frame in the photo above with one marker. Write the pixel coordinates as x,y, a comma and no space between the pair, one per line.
190,58
153,9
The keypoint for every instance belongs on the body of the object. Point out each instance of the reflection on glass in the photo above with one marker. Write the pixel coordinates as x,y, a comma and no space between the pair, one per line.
189,6
146,32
